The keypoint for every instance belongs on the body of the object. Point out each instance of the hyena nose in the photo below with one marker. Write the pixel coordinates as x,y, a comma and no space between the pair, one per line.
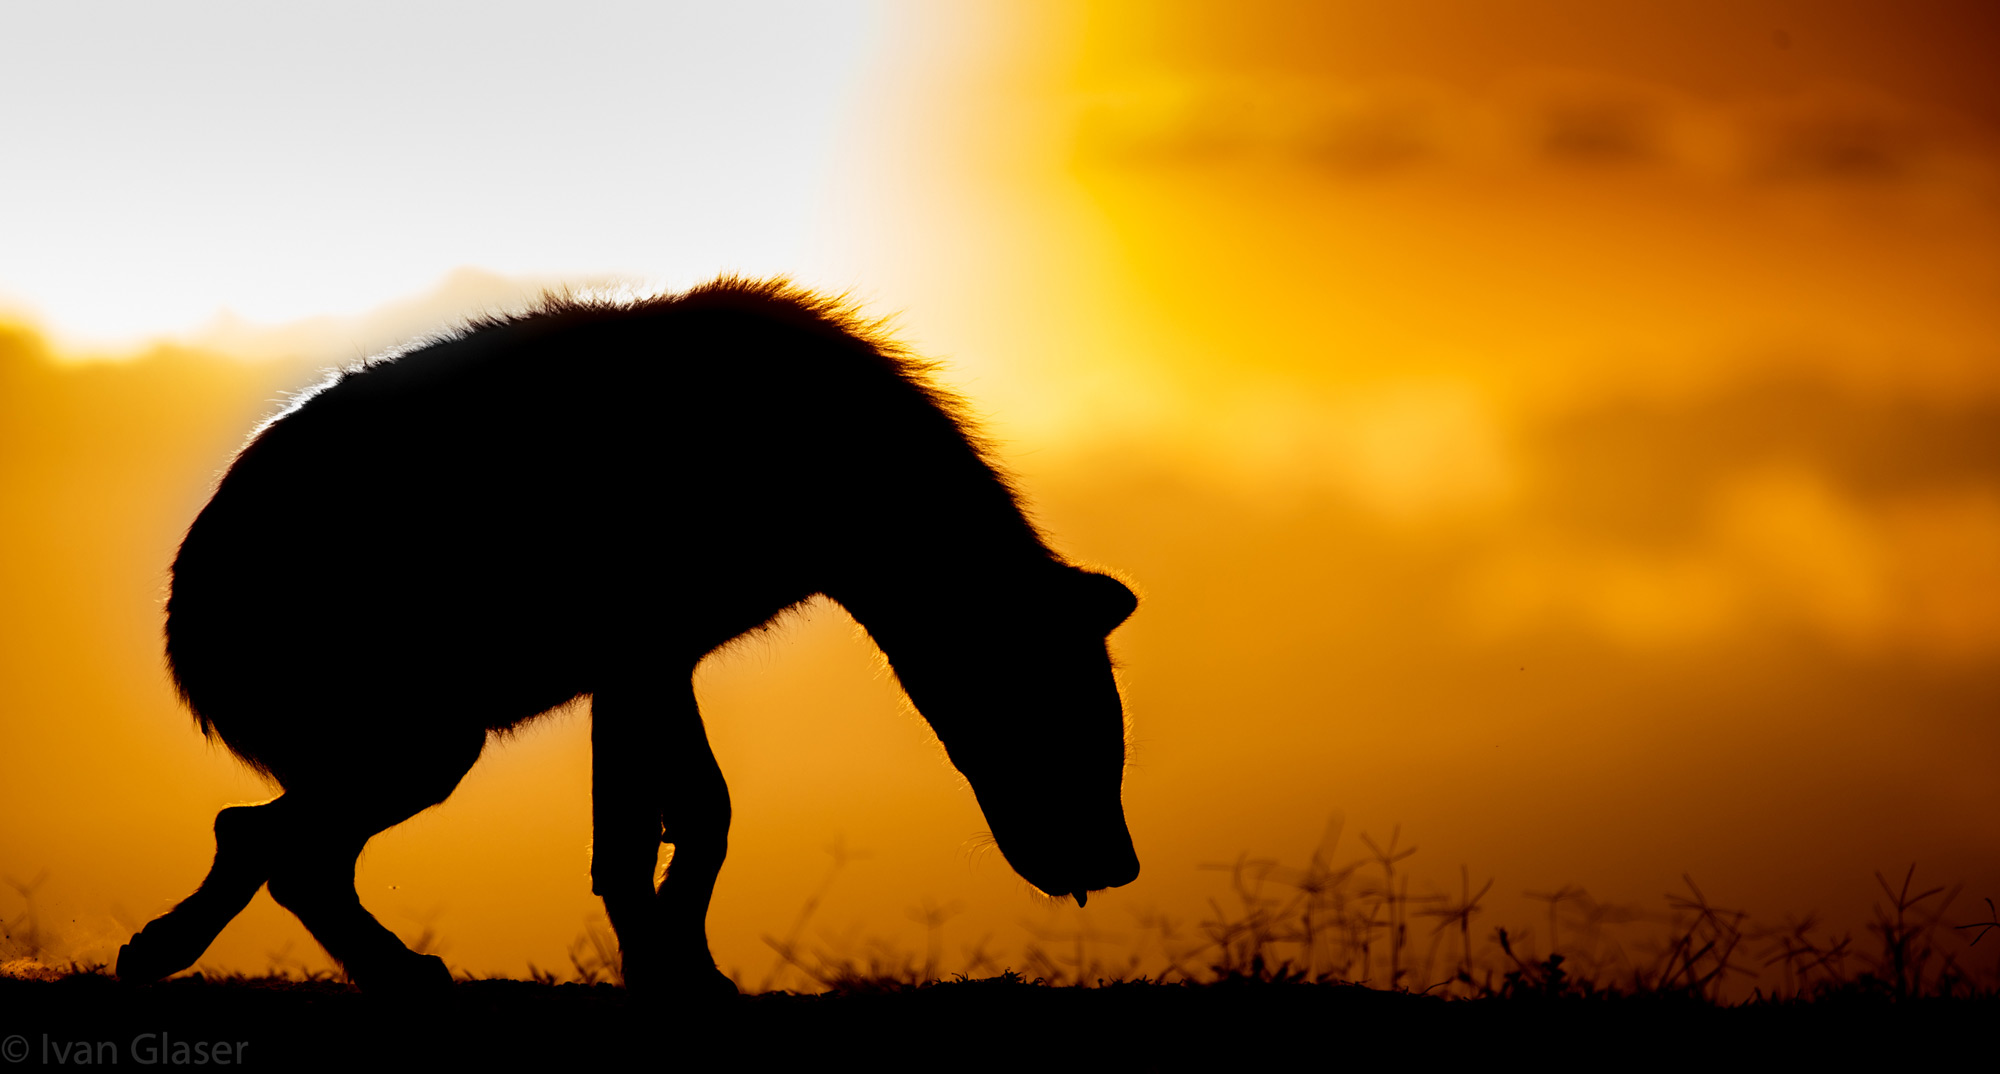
1123,873
1117,874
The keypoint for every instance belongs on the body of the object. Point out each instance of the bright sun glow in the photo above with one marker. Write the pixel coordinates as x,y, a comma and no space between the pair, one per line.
166,164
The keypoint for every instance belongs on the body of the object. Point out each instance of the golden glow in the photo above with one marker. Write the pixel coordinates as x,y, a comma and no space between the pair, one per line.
1568,433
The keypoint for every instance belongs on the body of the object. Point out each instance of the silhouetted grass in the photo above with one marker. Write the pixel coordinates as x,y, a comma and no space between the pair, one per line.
1337,923
979,1023
1284,962
1351,923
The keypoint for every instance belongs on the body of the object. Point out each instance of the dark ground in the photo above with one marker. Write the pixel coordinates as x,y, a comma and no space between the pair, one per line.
968,1024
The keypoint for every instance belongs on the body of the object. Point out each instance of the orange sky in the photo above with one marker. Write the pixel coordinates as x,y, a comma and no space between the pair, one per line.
1568,433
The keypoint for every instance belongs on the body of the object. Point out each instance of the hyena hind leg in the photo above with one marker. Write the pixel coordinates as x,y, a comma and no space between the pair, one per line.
245,841
313,874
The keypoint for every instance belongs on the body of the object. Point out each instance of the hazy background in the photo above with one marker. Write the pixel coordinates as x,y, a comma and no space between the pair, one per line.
1569,430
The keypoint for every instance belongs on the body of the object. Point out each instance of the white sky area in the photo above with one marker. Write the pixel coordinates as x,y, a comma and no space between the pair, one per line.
164,164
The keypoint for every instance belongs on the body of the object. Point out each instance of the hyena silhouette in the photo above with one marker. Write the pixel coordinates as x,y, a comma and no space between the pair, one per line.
587,499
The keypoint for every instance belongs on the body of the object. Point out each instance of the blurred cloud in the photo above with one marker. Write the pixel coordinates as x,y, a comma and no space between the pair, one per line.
1833,135
1870,523
1405,451
1814,550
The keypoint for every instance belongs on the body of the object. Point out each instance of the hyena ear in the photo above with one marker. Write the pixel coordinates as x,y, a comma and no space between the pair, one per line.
1101,600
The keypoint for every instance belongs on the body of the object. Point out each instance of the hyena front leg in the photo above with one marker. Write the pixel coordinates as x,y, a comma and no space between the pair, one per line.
654,781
